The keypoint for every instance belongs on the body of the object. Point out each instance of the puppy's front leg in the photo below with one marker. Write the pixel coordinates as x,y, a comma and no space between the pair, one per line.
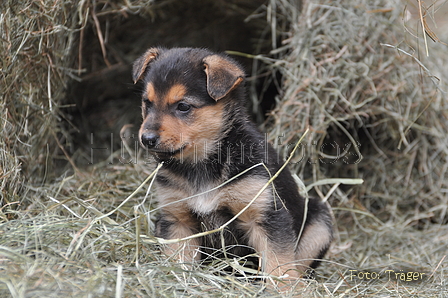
178,226
276,258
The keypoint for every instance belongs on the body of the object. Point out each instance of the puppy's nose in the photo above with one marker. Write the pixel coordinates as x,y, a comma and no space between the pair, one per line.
149,139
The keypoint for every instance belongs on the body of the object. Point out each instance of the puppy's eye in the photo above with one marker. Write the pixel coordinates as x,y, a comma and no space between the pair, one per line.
183,107
147,105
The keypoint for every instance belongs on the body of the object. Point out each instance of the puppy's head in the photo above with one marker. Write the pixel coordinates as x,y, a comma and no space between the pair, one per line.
184,98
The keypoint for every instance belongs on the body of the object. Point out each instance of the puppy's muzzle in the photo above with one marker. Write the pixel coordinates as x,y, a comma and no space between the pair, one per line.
150,139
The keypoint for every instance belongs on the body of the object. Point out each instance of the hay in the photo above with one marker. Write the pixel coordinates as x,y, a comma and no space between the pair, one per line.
81,233
10,176
69,243
376,112
36,43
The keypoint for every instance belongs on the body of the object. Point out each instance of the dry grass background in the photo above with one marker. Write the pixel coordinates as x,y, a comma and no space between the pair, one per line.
356,73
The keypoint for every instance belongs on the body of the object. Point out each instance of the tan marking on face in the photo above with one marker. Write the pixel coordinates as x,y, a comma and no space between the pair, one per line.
170,133
175,94
197,137
150,92
150,95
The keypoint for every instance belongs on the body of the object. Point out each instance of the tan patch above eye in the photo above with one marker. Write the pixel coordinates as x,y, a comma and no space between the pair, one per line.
150,92
176,93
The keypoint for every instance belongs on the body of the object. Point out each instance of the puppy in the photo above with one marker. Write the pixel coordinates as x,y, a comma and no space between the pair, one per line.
195,122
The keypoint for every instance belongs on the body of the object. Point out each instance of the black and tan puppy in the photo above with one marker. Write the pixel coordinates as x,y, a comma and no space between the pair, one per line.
194,121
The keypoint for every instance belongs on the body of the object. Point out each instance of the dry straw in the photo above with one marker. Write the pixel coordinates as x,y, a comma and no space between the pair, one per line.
381,106
36,43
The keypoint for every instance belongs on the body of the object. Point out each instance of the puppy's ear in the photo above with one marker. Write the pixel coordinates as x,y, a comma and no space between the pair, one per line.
223,75
140,65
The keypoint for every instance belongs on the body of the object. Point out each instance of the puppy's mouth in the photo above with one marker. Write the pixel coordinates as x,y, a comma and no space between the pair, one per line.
165,154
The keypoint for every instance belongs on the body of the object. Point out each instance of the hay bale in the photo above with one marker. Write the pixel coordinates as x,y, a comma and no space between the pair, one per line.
36,44
375,111
10,177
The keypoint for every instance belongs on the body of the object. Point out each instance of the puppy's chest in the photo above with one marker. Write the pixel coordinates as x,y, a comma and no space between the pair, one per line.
210,197
203,200
207,202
